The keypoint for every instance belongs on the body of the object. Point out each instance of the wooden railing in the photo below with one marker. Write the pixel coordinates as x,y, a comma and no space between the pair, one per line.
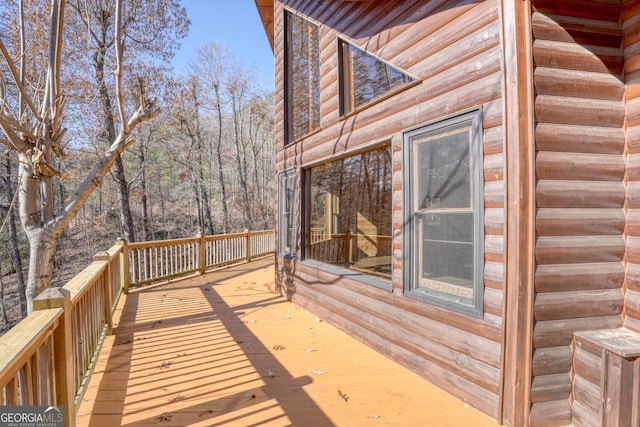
150,262
48,357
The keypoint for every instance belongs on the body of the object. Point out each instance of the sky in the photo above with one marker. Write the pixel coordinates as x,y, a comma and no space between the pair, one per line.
234,23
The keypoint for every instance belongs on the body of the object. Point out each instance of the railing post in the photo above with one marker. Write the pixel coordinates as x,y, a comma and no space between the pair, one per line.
62,350
103,256
202,254
124,266
248,245
347,247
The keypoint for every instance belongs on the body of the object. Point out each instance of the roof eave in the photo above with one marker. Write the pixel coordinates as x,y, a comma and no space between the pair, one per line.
265,9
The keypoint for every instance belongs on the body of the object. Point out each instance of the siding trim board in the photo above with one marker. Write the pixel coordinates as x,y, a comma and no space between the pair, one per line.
519,127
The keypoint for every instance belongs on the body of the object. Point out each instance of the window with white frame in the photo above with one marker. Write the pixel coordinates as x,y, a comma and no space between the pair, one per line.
444,213
287,223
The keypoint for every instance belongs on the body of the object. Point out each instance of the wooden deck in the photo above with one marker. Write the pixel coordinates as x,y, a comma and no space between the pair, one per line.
223,350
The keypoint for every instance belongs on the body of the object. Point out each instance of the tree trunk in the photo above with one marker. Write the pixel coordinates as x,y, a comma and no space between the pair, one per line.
123,197
42,245
205,206
163,210
242,169
126,219
3,310
17,263
223,191
146,222
42,251
196,194
258,187
13,237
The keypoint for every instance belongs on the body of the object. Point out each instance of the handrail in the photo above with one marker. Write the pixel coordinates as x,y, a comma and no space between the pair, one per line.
48,357
159,260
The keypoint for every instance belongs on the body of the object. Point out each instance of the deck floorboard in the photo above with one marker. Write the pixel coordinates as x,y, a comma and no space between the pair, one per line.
223,350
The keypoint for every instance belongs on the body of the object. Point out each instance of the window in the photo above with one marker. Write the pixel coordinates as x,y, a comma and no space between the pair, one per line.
287,223
365,78
444,213
302,81
349,213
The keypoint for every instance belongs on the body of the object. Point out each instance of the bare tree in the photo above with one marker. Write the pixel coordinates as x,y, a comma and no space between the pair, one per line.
210,64
150,26
260,146
31,120
238,85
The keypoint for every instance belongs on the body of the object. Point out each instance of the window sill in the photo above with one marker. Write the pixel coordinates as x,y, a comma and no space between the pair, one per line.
385,285
359,109
450,302
302,138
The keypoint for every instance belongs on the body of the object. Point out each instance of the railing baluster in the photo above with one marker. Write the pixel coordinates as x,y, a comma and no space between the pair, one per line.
35,380
11,392
171,260
155,257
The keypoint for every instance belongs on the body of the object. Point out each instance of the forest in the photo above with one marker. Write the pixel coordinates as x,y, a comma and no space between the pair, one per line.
101,140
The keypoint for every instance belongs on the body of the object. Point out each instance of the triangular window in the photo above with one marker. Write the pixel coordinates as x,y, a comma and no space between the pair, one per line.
364,78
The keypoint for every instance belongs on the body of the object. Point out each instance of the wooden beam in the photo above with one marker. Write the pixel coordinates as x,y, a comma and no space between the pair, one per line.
519,147
265,10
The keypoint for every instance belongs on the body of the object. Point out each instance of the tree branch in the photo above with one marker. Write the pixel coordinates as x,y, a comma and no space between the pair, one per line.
13,138
119,59
57,60
8,121
16,79
21,101
102,168
52,88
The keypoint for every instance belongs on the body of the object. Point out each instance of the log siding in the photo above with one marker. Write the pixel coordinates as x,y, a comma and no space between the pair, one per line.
580,194
453,48
561,169
631,44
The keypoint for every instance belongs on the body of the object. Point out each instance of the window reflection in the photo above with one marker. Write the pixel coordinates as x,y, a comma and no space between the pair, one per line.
365,78
302,68
350,213
286,213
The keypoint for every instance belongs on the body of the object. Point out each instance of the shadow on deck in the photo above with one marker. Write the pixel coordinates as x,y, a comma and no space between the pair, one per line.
222,349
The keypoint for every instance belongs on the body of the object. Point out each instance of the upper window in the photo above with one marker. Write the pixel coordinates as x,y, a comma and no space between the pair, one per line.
365,78
349,213
302,81
287,223
444,212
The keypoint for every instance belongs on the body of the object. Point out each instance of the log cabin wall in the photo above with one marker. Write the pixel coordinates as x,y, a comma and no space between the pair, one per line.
580,190
453,47
631,43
